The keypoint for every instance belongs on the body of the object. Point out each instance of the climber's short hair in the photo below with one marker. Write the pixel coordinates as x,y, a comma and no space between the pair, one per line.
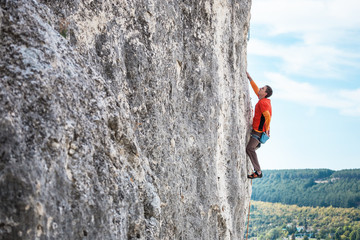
269,91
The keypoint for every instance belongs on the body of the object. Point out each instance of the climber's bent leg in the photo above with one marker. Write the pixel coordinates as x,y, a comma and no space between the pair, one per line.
250,150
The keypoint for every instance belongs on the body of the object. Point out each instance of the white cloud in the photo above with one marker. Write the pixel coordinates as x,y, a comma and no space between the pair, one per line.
310,60
314,19
353,97
347,102
328,30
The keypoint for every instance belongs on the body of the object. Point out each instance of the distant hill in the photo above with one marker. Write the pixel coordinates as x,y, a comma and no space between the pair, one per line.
309,187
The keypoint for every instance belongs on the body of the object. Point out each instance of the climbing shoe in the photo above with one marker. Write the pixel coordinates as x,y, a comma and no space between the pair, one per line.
255,175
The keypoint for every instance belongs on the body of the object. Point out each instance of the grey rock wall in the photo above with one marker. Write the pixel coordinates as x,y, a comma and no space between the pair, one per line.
123,119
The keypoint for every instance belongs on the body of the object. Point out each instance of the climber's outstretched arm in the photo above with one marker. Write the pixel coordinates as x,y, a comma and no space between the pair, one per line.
253,84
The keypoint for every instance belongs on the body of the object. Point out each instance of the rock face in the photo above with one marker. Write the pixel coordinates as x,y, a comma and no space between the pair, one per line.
123,119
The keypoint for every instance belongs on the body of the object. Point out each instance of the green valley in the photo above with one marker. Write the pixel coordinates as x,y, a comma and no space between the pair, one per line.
278,221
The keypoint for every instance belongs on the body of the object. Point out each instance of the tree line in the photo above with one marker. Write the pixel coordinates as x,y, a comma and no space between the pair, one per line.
309,187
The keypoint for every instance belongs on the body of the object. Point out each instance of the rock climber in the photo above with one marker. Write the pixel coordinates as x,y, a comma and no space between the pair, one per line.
261,124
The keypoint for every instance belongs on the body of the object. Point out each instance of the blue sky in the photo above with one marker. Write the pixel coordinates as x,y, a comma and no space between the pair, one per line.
308,51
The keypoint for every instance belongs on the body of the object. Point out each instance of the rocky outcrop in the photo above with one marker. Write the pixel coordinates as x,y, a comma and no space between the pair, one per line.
123,119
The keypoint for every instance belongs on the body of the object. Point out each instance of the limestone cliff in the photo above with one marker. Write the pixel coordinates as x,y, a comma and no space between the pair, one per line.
123,119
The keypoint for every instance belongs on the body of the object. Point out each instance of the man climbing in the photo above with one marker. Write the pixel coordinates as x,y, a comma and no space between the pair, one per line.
261,123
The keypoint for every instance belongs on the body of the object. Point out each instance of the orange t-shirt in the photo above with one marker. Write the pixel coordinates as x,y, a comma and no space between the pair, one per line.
263,112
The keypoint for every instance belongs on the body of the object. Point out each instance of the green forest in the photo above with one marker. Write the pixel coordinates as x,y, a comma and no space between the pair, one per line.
309,187
278,221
